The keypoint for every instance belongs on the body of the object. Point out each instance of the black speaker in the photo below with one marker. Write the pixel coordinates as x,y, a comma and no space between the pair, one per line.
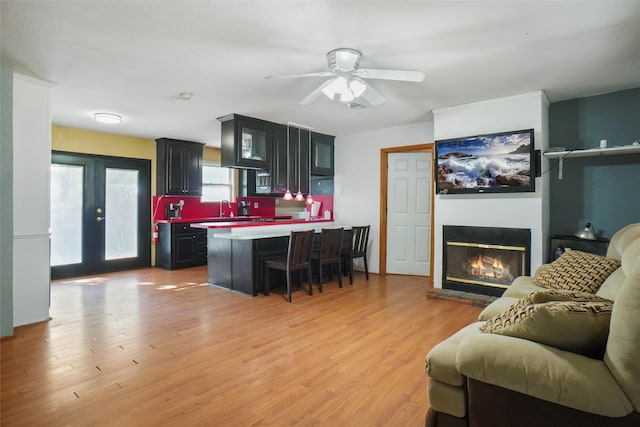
538,163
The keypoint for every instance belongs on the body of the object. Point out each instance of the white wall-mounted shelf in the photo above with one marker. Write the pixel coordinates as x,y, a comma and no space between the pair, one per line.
591,152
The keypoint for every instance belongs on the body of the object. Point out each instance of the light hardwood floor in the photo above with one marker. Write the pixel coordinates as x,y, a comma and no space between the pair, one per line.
153,347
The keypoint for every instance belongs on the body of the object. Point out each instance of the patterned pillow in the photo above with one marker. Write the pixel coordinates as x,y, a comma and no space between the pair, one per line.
549,295
576,326
577,271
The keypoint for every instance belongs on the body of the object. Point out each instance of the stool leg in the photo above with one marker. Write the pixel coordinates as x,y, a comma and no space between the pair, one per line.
289,285
266,280
339,274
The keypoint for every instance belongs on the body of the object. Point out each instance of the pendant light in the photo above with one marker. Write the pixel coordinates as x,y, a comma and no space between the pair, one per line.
299,196
287,194
309,198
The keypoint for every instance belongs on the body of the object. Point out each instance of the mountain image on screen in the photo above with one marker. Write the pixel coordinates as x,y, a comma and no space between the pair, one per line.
485,162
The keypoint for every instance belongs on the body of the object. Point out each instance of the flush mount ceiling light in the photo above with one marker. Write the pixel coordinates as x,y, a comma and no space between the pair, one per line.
107,118
186,95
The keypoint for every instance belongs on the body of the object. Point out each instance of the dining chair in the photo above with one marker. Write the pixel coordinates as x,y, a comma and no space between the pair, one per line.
328,253
298,259
357,249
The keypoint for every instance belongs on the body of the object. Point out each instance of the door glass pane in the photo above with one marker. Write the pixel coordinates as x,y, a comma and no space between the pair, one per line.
66,214
121,213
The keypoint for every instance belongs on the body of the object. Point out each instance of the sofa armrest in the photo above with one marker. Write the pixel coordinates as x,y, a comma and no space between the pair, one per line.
544,372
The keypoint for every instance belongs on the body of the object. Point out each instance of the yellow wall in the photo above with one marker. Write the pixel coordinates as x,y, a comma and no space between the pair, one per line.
90,142
106,144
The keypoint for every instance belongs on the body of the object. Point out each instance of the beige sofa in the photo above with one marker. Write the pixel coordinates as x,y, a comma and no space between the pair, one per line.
487,379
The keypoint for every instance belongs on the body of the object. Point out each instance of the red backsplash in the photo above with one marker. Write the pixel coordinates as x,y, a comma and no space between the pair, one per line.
266,206
327,203
193,208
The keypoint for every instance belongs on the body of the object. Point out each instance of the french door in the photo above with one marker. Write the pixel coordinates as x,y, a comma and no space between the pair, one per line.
100,214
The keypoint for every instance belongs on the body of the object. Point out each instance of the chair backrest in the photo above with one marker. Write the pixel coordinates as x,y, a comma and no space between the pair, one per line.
330,243
359,240
300,245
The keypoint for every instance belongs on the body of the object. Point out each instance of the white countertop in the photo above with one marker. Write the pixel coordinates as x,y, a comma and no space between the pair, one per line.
250,233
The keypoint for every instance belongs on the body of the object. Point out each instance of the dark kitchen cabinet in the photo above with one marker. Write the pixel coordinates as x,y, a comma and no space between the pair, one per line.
322,154
298,160
180,246
179,167
245,142
288,168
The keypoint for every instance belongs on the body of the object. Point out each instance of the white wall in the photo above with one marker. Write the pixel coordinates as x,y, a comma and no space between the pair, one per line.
31,199
516,210
357,177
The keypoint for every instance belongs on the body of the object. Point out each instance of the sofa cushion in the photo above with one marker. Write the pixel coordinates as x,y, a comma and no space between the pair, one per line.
577,271
446,398
522,286
611,287
623,346
577,326
497,307
440,361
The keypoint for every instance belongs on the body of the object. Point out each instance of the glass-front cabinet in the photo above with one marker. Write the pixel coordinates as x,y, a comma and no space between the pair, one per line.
322,154
245,142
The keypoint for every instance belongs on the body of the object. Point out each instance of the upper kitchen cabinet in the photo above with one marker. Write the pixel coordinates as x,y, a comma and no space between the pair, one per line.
321,154
179,167
245,142
298,160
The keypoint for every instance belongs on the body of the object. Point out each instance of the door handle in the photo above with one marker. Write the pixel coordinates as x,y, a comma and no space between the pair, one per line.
99,218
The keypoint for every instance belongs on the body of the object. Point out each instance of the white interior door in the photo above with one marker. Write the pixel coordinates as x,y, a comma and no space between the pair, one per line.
409,213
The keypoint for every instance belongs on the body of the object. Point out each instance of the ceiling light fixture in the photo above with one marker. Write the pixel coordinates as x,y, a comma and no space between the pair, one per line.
107,118
299,196
348,88
287,194
186,95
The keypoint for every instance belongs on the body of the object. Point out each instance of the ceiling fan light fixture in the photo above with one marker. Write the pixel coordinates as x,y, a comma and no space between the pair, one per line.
357,87
347,96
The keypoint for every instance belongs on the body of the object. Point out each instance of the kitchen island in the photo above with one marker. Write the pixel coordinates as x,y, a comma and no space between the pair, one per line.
236,251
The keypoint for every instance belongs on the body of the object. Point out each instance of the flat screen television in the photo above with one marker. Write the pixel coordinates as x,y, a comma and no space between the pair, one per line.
493,163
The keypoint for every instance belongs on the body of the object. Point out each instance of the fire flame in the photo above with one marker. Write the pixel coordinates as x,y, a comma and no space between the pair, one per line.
487,267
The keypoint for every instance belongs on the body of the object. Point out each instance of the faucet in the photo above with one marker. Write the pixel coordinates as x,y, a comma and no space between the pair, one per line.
221,210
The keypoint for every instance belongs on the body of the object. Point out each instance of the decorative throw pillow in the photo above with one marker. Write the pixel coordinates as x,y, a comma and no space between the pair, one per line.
576,326
549,295
577,271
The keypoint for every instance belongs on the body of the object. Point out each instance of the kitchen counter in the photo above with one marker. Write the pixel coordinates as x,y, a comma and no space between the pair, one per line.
260,225
229,219
236,251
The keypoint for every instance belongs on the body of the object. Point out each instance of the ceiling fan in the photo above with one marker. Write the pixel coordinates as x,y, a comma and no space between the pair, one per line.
347,78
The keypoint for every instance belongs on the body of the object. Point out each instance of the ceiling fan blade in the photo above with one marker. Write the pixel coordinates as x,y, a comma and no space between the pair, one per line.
402,75
316,93
321,74
372,96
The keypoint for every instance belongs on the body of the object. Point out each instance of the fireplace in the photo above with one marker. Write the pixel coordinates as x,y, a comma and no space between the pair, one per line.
484,260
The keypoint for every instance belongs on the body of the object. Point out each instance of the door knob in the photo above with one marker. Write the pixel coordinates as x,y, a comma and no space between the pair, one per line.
99,218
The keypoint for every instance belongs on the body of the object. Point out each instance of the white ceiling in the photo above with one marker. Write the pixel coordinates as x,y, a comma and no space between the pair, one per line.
134,58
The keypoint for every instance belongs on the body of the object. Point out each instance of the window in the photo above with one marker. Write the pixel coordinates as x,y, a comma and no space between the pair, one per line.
217,183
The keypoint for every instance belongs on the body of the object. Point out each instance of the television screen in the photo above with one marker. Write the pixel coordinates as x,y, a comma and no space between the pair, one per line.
493,163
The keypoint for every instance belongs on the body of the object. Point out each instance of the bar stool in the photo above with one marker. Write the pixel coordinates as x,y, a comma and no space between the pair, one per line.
298,259
357,249
329,253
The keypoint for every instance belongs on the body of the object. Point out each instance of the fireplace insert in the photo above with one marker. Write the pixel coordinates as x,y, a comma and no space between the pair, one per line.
484,260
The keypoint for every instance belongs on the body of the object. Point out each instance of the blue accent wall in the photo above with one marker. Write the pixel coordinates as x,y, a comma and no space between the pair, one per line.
603,190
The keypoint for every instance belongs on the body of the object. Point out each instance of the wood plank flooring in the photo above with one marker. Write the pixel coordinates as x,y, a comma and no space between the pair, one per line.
153,347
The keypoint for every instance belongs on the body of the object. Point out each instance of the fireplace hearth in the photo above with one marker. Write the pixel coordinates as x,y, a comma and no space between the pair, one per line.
484,260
